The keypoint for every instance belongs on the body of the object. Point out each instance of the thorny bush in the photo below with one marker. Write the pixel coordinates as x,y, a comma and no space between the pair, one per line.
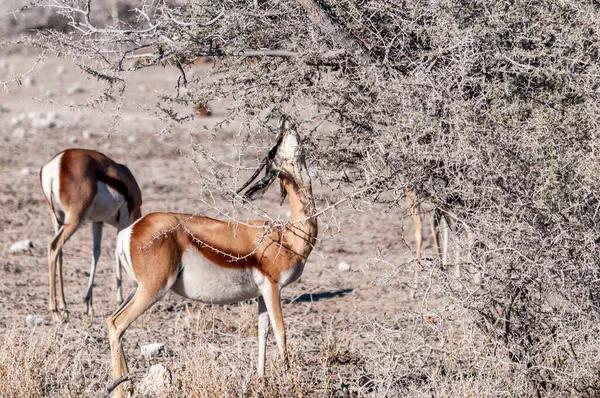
491,107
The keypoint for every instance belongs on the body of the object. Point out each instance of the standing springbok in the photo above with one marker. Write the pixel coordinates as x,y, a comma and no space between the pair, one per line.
81,185
220,262
439,214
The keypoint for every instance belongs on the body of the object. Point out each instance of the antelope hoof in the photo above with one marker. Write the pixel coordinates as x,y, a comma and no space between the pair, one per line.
56,317
60,316
89,309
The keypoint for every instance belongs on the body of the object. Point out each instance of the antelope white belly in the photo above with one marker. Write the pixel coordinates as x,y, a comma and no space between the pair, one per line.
106,204
204,281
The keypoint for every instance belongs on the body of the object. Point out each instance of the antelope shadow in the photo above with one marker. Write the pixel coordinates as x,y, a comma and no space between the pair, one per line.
311,297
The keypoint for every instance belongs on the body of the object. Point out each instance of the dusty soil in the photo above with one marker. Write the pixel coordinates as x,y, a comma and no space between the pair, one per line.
325,304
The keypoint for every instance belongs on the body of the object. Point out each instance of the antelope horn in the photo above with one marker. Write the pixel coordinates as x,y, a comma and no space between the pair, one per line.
256,173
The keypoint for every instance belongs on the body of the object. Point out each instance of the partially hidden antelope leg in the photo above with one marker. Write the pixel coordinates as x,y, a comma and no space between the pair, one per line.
415,212
442,251
123,221
263,333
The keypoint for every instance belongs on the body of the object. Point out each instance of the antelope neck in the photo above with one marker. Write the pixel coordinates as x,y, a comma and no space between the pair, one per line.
302,225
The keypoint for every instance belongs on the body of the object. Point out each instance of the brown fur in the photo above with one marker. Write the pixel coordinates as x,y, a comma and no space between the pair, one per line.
157,243
79,173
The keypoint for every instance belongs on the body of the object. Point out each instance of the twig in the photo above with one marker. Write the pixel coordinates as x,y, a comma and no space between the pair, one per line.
112,386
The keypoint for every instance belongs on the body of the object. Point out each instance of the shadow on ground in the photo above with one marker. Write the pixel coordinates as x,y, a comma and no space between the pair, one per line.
312,297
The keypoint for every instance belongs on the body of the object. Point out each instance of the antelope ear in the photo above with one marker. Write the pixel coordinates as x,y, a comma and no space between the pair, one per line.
257,190
283,192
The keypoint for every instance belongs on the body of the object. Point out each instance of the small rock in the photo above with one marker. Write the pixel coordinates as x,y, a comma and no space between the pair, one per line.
87,134
44,121
132,139
60,70
21,246
17,119
32,320
477,280
157,381
73,139
143,88
18,133
26,171
28,81
3,63
49,93
152,350
75,89
344,266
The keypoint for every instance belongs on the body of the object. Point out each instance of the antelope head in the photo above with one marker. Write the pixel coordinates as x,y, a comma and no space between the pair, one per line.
285,159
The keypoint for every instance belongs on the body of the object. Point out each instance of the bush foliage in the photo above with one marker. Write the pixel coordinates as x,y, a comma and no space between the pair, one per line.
489,107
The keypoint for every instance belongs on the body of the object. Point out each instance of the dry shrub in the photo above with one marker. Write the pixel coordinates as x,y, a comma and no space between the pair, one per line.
489,108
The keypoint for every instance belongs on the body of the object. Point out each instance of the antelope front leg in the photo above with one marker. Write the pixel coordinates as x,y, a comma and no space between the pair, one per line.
97,236
271,297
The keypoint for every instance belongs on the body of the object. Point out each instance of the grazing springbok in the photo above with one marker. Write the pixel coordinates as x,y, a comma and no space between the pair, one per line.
220,262
81,185
439,214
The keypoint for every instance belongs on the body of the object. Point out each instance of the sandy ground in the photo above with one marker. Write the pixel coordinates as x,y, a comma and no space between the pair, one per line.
325,299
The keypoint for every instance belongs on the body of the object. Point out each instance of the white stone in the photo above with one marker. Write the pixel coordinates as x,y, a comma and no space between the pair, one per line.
132,139
28,81
87,134
60,70
26,171
156,382
32,320
3,63
152,350
21,246
18,133
44,121
73,140
75,89
17,119
344,266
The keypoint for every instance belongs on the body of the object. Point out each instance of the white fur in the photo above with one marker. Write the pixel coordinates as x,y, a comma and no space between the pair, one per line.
123,251
290,147
106,205
291,275
50,186
201,280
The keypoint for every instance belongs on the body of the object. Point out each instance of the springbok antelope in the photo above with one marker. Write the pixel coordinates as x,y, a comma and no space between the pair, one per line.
442,213
81,185
219,262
